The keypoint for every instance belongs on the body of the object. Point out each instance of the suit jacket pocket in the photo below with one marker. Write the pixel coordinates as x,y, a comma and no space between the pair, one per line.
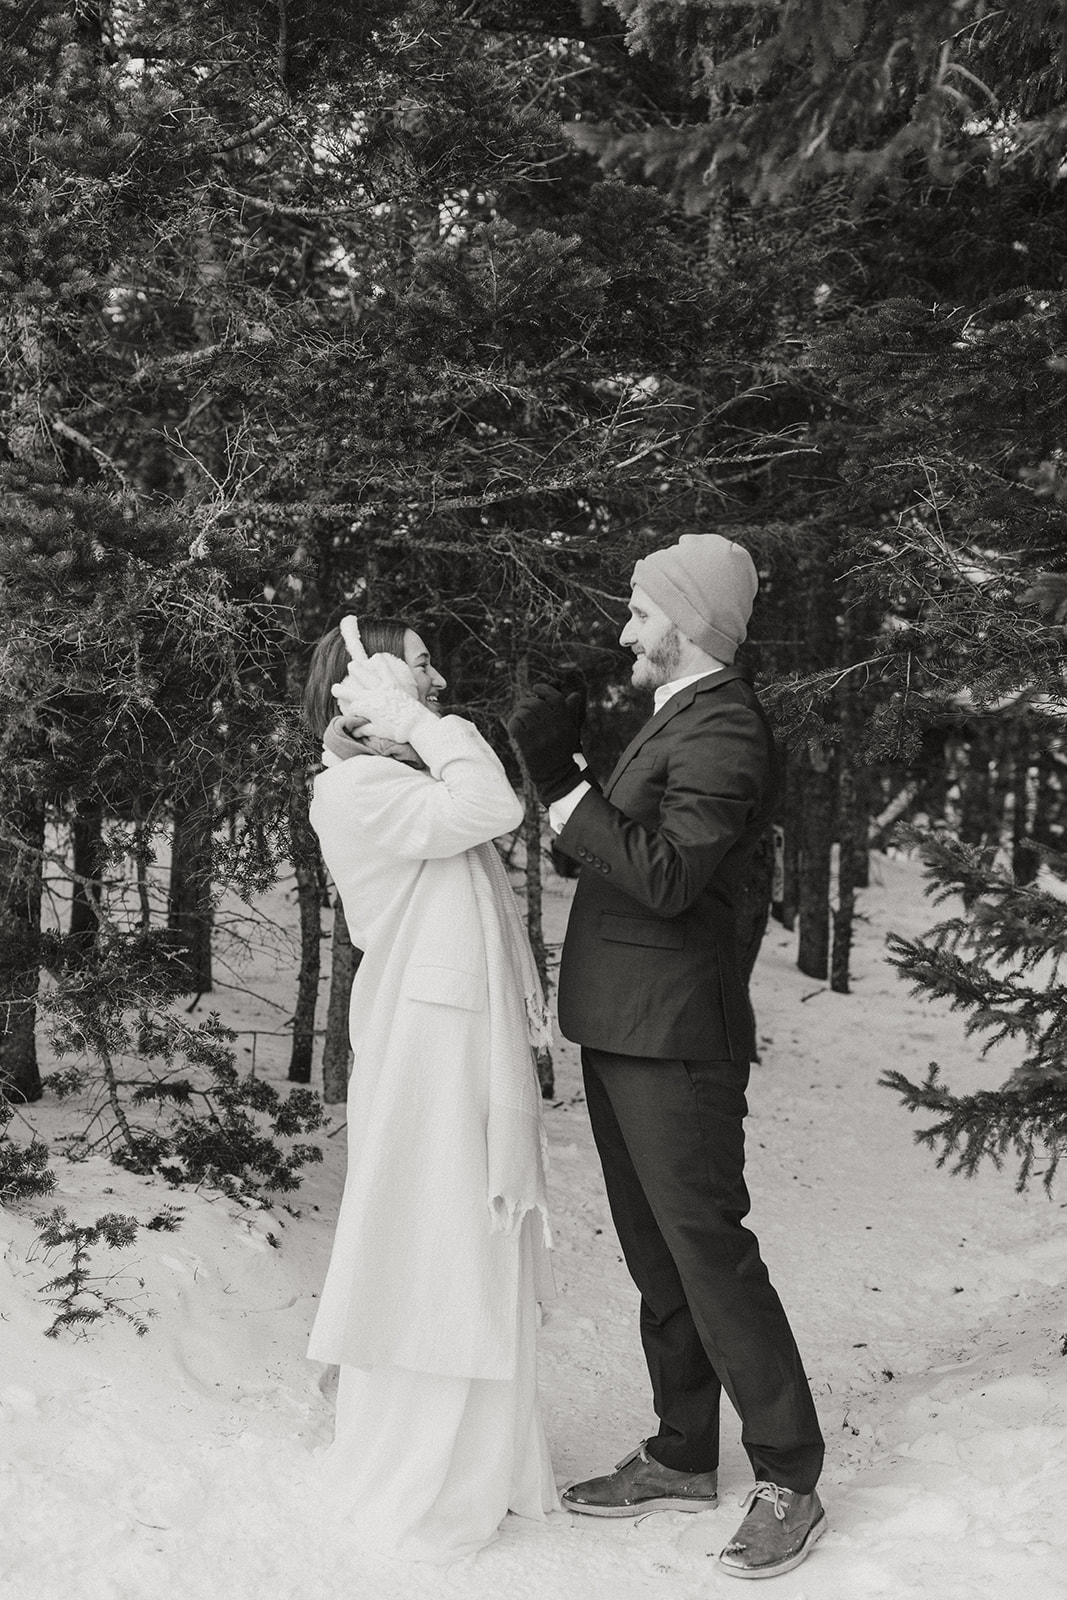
641,930
445,986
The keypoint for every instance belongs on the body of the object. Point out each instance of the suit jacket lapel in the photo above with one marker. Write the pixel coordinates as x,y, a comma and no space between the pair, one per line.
677,702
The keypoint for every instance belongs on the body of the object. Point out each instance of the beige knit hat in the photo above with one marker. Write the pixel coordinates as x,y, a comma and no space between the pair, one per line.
706,584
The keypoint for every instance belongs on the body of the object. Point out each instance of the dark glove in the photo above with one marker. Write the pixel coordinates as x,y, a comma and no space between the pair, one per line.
546,728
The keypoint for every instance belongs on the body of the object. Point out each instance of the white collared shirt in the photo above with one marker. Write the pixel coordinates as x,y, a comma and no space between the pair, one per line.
667,691
559,813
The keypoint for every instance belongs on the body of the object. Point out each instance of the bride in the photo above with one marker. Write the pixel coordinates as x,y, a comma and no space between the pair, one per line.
439,1257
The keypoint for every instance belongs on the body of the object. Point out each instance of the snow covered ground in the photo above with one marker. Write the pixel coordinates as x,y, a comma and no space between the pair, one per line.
929,1311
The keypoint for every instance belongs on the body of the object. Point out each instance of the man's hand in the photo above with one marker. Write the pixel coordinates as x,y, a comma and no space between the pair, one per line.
546,728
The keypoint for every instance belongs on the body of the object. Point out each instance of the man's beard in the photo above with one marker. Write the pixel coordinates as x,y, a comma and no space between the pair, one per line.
659,665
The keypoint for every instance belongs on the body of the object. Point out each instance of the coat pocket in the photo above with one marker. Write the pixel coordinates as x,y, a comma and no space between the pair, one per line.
641,930
445,986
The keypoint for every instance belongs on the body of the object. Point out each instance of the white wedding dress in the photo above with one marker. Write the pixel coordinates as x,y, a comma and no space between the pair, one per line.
426,1467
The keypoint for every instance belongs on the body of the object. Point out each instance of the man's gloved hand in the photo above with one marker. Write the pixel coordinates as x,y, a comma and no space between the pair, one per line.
546,726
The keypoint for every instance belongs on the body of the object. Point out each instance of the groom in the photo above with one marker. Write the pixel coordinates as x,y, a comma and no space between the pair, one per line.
650,988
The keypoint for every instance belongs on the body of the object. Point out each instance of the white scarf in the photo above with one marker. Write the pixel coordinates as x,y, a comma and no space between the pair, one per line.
519,1024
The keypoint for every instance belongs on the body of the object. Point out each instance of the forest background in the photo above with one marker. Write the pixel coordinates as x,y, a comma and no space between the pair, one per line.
452,311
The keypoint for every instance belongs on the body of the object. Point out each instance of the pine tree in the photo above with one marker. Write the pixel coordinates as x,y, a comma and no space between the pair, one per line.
885,275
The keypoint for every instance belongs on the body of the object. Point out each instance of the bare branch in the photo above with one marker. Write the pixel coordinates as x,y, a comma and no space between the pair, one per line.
267,125
57,425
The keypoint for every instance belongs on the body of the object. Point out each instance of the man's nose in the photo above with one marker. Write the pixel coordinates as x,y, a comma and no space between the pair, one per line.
626,637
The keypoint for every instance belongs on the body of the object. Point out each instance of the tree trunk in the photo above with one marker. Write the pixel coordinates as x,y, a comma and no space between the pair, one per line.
777,870
896,809
531,834
816,844
531,838
337,1050
190,912
21,845
789,814
1000,789
142,856
1047,800
932,771
305,856
845,909
88,852
974,787
861,836
753,913
852,788
1024,858
22,825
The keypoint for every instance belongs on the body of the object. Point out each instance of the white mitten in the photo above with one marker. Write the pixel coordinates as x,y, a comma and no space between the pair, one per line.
380,688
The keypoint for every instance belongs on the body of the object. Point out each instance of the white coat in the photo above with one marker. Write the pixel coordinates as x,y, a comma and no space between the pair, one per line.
418,1277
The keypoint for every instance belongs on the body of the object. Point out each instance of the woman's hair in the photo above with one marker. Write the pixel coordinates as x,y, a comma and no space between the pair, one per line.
329,663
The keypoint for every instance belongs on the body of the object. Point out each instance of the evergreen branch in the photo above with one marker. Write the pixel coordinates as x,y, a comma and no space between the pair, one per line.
972,1127
584,477
1007,921
24,1172
1000,1006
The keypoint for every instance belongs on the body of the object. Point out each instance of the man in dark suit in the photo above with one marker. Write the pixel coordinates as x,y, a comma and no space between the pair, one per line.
650,988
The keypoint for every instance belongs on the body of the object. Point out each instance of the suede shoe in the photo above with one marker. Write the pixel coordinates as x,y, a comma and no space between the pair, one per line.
778,1531
640,1484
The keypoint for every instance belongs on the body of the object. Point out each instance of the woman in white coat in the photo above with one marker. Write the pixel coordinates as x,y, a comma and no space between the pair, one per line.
439,1258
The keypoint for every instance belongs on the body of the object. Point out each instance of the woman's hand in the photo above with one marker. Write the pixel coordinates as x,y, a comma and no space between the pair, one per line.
381,688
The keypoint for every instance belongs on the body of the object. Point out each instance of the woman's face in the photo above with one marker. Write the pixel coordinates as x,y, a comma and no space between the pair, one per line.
428,681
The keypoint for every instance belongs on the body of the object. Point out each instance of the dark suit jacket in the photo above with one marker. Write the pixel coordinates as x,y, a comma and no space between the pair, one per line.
649,965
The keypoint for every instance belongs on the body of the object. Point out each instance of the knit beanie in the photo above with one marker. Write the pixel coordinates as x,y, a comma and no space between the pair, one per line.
706,585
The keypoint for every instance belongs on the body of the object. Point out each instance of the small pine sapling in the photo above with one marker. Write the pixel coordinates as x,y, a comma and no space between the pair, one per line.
81,1296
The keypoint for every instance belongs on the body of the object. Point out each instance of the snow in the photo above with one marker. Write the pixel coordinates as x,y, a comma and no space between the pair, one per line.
928,1308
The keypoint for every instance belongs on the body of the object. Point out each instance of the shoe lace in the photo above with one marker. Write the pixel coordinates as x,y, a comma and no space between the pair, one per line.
639,1451
768,1491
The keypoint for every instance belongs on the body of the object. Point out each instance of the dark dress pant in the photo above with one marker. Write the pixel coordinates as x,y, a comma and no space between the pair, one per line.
671,1140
